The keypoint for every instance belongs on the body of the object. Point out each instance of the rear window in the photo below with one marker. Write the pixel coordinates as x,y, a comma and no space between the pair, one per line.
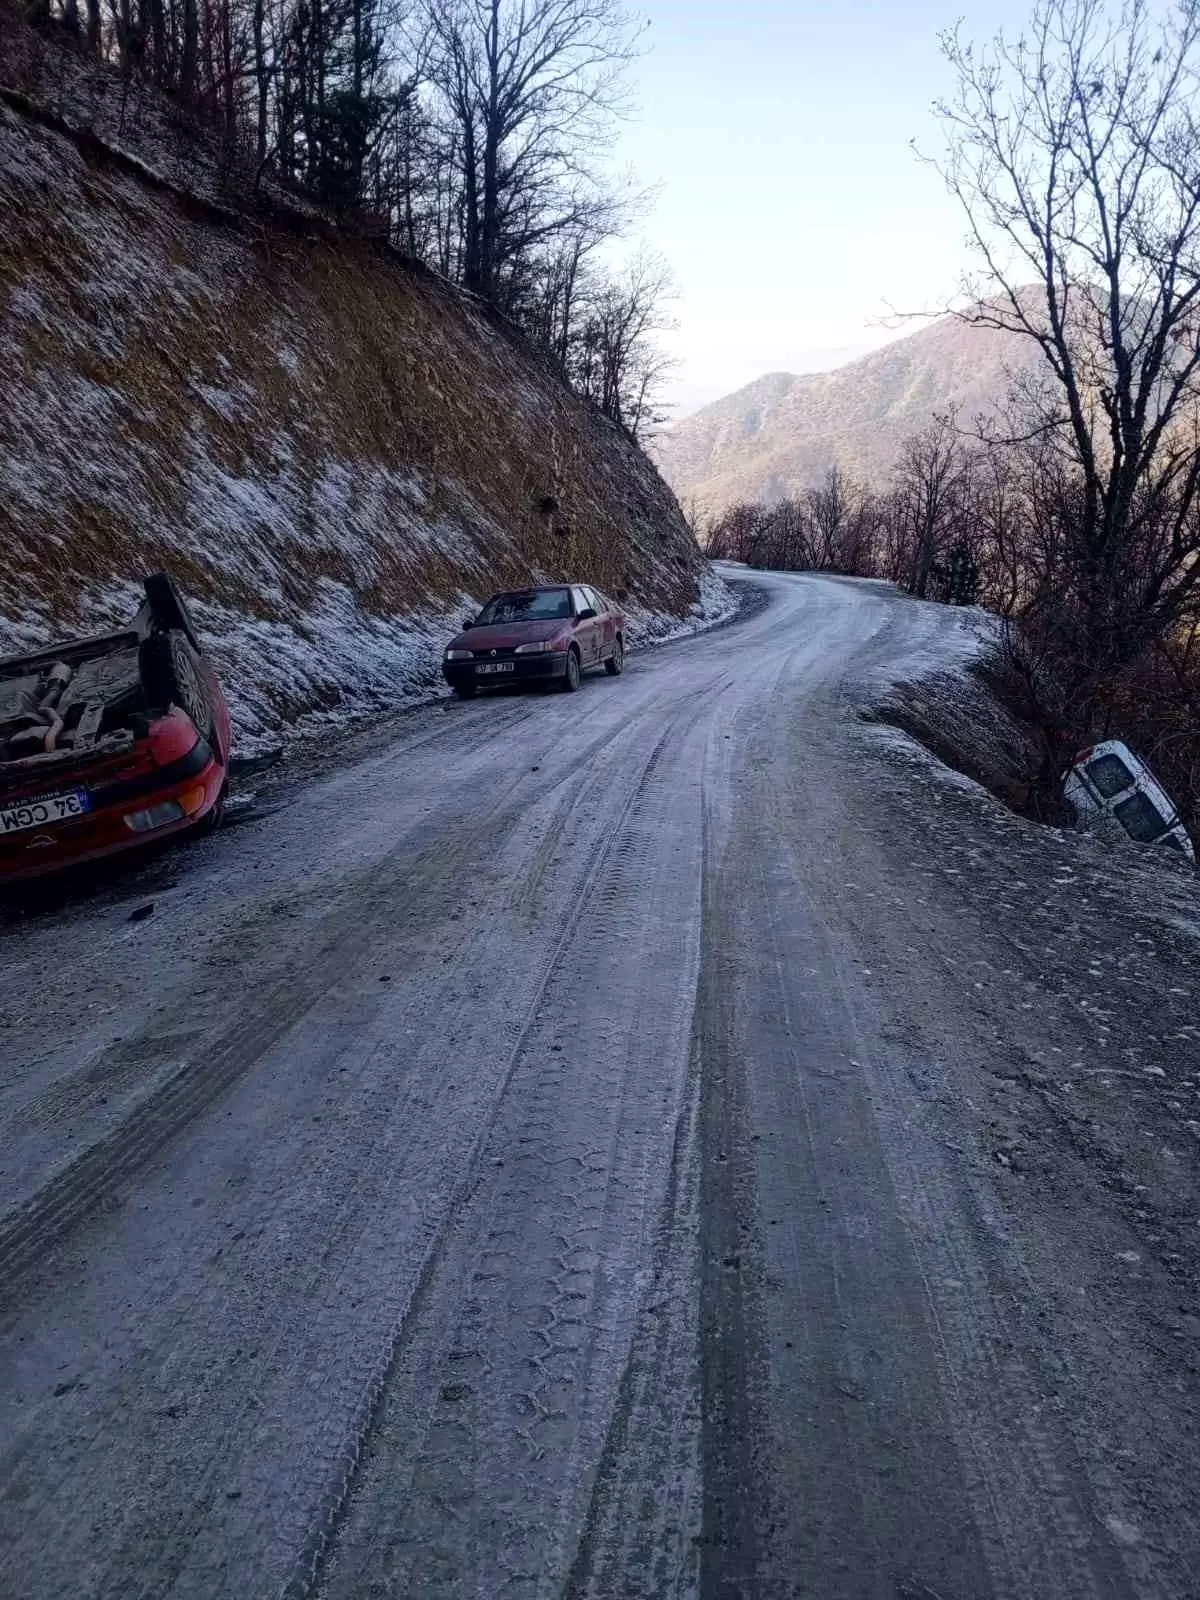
535,605
1109,774
1140,818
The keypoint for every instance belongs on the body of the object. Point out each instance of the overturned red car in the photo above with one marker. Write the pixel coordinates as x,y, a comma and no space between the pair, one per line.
110,742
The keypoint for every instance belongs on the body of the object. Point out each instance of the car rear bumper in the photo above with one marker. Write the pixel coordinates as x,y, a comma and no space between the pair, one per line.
193,784
525,669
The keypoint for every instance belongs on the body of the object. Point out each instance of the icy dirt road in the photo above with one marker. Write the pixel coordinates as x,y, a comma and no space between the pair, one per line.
555,1156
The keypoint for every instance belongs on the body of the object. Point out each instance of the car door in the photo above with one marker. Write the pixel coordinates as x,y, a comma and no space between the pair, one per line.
586,633
604,626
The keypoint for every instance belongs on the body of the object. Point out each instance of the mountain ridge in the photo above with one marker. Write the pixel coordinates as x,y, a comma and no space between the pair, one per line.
781,433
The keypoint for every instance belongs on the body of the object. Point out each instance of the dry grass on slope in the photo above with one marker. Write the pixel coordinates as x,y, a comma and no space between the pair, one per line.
329,449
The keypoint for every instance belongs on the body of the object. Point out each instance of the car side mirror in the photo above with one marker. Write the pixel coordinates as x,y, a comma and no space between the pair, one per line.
585,615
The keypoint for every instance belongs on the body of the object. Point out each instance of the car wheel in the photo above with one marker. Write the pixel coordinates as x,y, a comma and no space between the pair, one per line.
574,673
168,608
615,664
212,820
171,675
465,691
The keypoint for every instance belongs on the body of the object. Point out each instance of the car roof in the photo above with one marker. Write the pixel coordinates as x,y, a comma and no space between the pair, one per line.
547,588
550,588
534,588
1114,747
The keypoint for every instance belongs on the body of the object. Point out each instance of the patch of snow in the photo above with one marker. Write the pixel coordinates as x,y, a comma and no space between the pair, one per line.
333,666
328,550
951,639
916,755
715,604
231,404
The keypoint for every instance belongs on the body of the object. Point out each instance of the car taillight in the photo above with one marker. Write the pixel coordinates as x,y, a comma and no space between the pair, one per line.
192,799
155,816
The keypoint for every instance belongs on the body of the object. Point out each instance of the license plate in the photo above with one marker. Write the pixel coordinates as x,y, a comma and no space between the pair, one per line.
495,666
49,809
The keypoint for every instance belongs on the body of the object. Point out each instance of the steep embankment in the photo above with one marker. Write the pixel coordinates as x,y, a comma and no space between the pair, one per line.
330,449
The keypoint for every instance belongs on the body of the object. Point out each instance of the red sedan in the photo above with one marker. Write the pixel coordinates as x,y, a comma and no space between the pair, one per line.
555,633
109,742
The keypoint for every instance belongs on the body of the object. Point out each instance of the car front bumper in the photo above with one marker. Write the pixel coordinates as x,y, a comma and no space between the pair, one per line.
525,669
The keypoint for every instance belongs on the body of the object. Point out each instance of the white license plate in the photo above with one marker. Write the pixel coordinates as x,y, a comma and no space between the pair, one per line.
495,666
49,809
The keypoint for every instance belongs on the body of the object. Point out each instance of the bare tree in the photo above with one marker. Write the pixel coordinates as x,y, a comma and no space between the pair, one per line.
470,133
830,508
616,359
533,87
928,483
1075,153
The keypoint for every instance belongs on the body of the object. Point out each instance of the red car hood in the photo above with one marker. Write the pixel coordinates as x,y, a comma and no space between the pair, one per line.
507,634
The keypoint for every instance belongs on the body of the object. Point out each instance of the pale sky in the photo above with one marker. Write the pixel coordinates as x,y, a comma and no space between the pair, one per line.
792,210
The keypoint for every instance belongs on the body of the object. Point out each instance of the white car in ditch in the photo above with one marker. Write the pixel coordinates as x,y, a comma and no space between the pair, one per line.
1108,780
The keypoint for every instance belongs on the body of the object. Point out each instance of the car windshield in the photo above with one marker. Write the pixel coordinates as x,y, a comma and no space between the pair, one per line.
534,605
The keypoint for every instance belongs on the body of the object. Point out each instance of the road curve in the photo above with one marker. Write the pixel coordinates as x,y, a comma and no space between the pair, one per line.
515,1167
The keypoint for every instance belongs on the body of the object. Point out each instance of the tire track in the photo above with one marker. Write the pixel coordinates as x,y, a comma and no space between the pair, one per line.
249,1443
309,1567
639,1545
115,1070
99,1174
948,1409
580,1167
225,1434
737,1485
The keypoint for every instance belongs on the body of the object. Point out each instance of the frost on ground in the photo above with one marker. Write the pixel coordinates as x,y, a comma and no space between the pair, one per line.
336,665
939,709
1112,930
940,701
936,717
1087,1106
335,455
715,604
939,721
344,666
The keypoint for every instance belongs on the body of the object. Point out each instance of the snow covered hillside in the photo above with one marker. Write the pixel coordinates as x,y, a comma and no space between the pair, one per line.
333,452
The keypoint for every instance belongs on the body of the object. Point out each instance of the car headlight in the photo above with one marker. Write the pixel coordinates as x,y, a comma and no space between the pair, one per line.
460,655
541,648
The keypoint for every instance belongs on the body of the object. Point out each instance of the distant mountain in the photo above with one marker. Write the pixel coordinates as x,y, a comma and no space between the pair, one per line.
782,432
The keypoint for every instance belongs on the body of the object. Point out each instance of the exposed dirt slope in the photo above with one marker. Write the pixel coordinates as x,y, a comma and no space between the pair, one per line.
328,447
